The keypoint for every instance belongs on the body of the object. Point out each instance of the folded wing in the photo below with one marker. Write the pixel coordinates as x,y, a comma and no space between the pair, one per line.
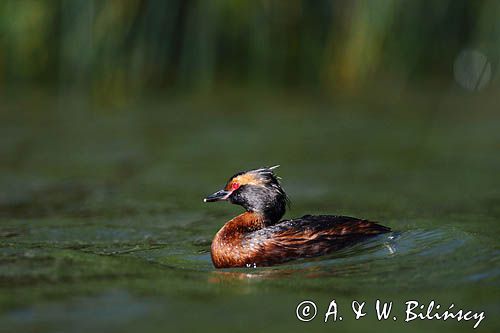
309,236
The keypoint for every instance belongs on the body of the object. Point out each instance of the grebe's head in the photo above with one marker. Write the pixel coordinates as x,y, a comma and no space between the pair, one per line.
258,191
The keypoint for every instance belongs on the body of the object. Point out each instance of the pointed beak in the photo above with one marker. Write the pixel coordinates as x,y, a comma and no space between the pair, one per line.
218,196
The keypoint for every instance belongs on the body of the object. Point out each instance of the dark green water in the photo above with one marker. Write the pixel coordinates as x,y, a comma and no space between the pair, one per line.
103,227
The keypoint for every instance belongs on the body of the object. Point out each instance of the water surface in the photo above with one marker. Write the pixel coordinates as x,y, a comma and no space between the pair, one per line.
103,225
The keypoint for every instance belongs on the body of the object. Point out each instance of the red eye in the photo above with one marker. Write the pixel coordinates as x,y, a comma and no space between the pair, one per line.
235,186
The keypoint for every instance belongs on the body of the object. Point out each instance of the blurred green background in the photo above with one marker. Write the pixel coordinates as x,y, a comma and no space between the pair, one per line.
118,117
116,50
